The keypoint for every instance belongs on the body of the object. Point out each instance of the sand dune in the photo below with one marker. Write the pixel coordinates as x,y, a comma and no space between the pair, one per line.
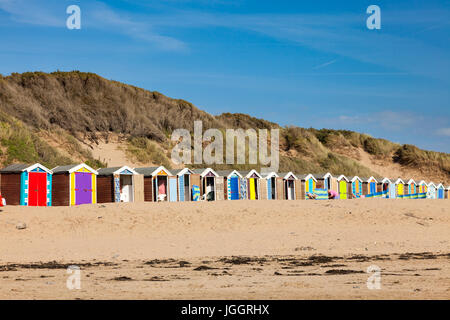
190,245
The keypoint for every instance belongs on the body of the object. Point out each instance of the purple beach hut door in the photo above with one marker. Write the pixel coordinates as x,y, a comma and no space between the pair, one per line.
83,188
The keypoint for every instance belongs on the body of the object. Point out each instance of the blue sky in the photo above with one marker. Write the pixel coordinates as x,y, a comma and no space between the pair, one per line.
305,63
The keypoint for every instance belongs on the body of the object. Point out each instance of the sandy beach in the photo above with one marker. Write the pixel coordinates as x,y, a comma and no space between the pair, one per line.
228,250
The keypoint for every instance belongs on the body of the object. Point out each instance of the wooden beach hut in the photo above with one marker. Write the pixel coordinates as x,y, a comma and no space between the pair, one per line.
118,184
423,186
411,186
74,184
345,187
210,184
369,185
440,191
447,193
158,182
289,185
307,185
431,192
26,185
184,192
271,182
357,187
253,184
399,188
323,180
388,187
231,180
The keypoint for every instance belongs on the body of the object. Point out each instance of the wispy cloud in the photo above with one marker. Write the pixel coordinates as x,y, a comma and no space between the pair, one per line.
32,12
443,132
95,15
323,65
389,120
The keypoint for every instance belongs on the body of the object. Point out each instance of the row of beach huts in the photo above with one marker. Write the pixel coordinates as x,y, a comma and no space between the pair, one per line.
36,185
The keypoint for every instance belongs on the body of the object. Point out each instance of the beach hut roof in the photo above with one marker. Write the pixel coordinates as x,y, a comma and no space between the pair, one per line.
411,181
204,171
269,175
306,176
114,170
440,186
431,184
342,177
181,172
228,173
356,178
322,175
248,174
385,180
22,167
399,180
152,171
369,179
72,168
422,182
286,175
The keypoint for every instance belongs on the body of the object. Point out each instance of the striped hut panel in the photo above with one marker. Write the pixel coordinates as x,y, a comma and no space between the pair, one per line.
321,194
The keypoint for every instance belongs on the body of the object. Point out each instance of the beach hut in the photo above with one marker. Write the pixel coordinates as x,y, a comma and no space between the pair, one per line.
184,192
323,180
388,188
345,187
231,180
159,184
440,191
399,188
74,184
370,185
271,181
118,184
411,187
423,186
27,185
253,183
431,191
307,185
210,183
357,187
289,185
447,193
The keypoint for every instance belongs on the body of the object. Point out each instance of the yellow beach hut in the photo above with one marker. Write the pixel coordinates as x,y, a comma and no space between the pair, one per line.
400,188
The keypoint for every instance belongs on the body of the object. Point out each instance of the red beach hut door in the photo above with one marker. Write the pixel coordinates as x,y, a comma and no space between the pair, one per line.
37,189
